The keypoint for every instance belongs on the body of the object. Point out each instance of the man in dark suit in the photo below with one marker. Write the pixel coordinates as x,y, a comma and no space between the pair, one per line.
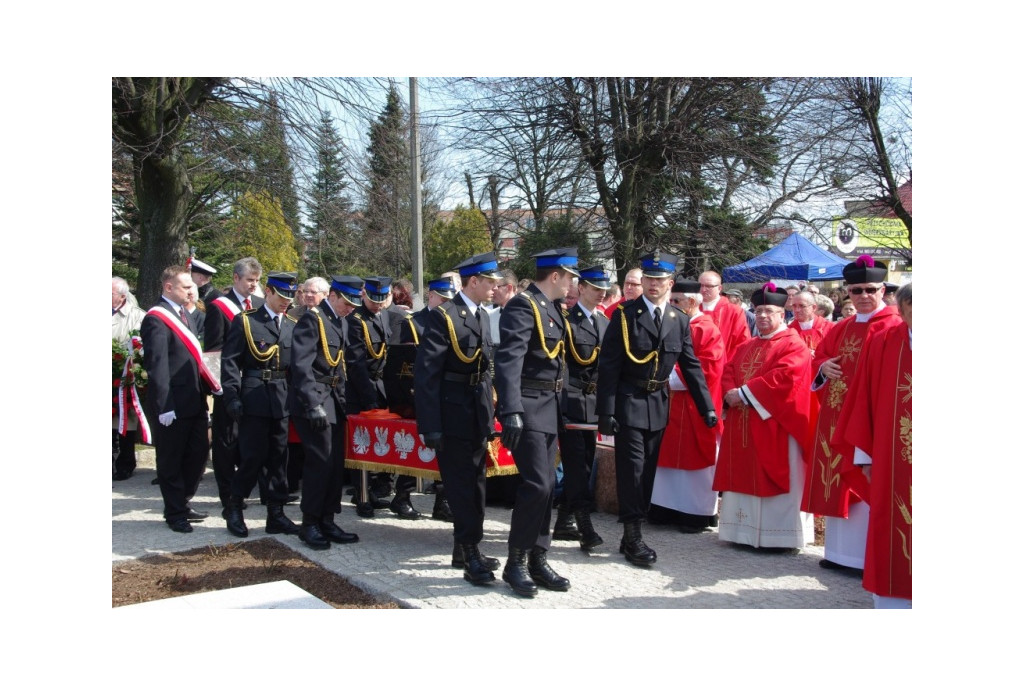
646,338
371,326
586,329
221,309
455,407
528,374
316,402
176,395
254,368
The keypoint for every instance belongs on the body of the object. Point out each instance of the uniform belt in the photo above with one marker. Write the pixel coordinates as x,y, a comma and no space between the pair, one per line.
588,387
264,374
327,380
467,378
648,385
534,384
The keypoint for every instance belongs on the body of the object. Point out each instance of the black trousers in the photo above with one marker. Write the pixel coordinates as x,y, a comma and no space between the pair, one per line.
324,469
124,451
577,449
226,457
463,466
296,458
531,515
636,461
263,451
181,452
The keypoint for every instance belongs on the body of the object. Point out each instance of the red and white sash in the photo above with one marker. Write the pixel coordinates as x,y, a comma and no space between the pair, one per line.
227,307
191,343
127,394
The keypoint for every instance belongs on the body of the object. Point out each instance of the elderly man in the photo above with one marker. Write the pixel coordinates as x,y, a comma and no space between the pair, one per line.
760,469
878,422
806,322
835,363
632,286
729,318
645,340
686,464
125,318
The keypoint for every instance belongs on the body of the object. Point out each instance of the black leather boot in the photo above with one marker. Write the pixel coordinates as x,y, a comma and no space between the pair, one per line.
233,515
401,506
459,561
589,539
334,533
311,534
476,571
517,575
442,512
633,546
565,527
543,574
278,523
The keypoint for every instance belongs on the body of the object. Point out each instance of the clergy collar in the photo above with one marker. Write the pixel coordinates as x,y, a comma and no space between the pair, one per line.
806,325
710,306
782,326
863,318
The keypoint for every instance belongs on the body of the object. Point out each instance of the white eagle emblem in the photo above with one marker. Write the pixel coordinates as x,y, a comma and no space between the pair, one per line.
361,440
426,454
404,443
381,447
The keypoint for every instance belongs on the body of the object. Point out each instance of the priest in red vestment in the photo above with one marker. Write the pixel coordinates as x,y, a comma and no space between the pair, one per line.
729,318
689,449
760,468
877,422
835,362
806,322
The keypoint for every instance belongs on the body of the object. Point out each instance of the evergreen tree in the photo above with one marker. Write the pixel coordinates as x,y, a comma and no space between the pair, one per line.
273,165
329,233
561,231
387,218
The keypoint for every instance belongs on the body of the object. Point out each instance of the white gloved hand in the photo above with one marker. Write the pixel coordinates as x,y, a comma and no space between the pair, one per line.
168,418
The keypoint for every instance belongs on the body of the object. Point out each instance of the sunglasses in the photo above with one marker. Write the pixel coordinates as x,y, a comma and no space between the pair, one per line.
871,290
676,300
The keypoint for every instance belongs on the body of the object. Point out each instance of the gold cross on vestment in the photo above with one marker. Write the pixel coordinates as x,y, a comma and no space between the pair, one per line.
752,364
849,349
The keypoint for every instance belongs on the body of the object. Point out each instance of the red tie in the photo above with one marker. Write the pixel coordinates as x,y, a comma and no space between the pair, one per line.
248,304
184,318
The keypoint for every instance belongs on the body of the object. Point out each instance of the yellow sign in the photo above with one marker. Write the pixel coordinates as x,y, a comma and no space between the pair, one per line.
853,234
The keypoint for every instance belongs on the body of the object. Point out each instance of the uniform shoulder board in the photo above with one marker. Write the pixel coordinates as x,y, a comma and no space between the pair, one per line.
526,295
602,313
314,309
289,316
246,312
357,315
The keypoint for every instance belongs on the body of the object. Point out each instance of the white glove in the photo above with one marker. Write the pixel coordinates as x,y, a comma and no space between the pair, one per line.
168,418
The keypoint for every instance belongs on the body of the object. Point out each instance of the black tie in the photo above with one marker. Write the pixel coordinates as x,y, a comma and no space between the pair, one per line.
657,318
277,322
477,317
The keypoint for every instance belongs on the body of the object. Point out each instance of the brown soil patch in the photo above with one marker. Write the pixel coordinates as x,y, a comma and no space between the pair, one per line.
230,566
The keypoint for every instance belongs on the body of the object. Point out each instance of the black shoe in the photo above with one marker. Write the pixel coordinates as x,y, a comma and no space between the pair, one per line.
633,546
313,537
155,481
194,515
122,475
235,521
589,539
332,532
404,509
848,570
442,512
476,570
459,561
278,523
517,575
565,526
542,573
292,499
690,530
180,526
364,509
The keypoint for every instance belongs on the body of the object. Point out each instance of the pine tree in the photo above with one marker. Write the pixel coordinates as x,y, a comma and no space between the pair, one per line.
329,233
387,218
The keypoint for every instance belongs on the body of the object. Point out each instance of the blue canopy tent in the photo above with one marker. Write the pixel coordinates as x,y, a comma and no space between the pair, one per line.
796,259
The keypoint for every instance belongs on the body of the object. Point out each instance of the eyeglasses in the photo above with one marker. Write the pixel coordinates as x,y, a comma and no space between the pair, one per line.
870,290
715,285
632,284
676,300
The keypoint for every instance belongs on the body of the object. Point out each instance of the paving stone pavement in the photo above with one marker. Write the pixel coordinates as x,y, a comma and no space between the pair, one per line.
409,561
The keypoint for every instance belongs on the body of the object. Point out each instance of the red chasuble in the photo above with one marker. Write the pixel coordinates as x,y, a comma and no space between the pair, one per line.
814,335
825,493
732,322
878,421
687,443
754,457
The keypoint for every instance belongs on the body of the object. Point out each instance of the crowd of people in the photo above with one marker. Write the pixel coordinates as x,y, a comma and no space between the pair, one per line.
751,421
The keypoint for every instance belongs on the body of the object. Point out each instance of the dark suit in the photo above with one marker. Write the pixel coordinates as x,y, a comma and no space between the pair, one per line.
579,405
316,382
527,382
262,387
225,431
175,385
454,397
637,394
199,325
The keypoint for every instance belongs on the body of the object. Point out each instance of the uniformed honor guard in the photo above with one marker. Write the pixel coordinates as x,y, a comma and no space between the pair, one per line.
646,338
528,370
455,406
254,368
316,401
585,330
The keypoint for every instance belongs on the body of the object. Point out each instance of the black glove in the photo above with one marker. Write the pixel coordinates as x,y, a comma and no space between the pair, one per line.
607,425
711,419
433,440
511,430
318,418
234,409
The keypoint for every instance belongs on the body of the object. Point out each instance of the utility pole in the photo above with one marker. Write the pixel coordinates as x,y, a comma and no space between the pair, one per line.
417,200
